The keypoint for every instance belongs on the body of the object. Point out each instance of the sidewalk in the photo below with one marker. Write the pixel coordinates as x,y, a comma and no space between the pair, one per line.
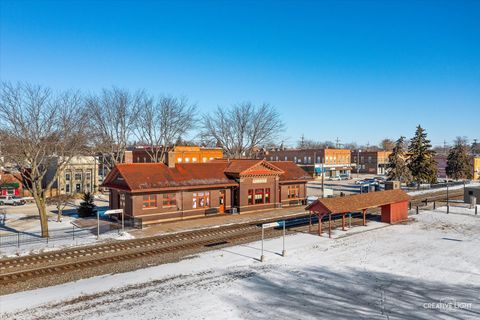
216,221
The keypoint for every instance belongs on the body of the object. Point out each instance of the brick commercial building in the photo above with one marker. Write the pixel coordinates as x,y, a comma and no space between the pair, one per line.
177,154
333,162
441,161
10,184
374,162
154,192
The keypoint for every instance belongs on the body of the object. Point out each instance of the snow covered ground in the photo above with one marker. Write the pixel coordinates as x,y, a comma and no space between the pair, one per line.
427,269
24,221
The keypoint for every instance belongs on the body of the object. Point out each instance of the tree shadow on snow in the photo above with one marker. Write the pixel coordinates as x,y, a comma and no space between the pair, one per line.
351,294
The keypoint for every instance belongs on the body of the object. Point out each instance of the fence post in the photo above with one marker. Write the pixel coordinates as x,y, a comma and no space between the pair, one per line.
434,205
417,209
73,232
476,207
410,205
18,239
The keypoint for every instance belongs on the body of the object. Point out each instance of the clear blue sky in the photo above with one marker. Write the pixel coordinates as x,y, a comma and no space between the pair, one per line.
356,70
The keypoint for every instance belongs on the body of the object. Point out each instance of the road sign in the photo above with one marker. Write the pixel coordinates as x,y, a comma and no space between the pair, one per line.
271,225
113,211
109,212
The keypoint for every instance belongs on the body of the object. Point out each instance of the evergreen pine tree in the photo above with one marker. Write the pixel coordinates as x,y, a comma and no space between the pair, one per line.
397,168
421,162
87,208
459,161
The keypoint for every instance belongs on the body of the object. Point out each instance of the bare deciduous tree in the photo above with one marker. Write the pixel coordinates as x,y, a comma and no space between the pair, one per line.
39,125
114,115
60,202
242,128
387,144
162,122
313,144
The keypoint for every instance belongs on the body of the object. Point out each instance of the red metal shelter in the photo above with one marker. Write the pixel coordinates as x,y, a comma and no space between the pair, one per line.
393,203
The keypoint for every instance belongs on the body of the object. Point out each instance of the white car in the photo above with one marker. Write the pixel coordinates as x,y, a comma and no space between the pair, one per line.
11,200
311,199
336,178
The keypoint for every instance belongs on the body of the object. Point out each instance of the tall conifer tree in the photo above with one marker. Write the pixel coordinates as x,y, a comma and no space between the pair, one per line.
421,161
459,161
397,168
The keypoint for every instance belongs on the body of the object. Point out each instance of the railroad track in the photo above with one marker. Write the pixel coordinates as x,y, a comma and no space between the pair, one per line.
438,196
21,269
15,270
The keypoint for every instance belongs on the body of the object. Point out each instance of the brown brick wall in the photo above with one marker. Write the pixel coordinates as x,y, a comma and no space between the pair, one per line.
247,183
284,193
370,161
184,207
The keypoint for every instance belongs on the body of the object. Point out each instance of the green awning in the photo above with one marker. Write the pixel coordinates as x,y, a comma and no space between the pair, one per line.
9,185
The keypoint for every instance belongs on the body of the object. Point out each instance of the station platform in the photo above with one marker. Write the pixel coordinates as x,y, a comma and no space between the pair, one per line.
218,220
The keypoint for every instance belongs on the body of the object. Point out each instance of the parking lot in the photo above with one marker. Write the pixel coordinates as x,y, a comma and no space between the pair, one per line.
314,188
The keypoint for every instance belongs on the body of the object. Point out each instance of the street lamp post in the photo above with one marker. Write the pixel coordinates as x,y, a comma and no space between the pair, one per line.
98,224
448,205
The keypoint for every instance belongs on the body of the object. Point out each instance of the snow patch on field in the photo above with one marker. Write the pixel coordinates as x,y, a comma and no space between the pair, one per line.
396,272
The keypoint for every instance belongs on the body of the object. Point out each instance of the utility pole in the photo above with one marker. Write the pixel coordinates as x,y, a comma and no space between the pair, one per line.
302,142
337,145
358,160
444,146
323,180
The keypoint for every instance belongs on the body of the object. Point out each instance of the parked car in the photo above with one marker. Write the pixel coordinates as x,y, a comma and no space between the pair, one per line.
366,181
311,199
345,177
11,200
335,178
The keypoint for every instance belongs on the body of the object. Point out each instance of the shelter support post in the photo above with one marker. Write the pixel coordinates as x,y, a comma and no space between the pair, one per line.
329,225
343,222
319,225
364,211
310,222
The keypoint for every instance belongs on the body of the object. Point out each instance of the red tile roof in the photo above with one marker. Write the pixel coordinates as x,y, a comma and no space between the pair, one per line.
292,172
154,176
358,202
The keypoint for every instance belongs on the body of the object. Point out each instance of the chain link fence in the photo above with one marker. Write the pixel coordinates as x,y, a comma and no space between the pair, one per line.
12,239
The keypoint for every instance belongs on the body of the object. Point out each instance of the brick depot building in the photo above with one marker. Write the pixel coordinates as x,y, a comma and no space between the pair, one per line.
154,192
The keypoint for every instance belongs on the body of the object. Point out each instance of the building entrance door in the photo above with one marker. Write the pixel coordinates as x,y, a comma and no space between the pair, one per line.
221,201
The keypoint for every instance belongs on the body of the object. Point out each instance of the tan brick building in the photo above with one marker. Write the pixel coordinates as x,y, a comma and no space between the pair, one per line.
78,176
333,162
177,154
